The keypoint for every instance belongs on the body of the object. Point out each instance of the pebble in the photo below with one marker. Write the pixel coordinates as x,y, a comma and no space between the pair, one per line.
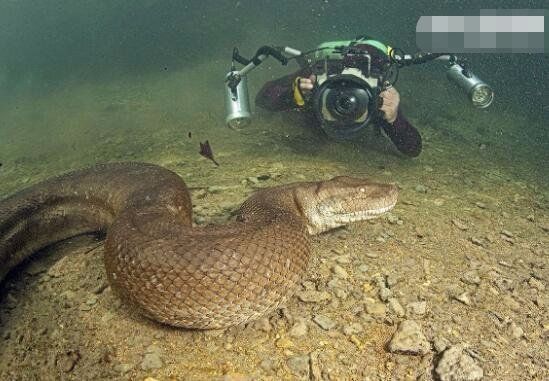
123,368
152,358
67,361
340,272
480,205
396,307
440,344
537,284
324,322
516,331
464,298
284,343
352,329
311,296
263,324
456,365
460,224
299,329
421,188
409,339
343,259
471,277
417,308
385,294
375,308
299,365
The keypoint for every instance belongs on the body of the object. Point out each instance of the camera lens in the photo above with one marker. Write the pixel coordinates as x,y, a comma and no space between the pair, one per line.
346,104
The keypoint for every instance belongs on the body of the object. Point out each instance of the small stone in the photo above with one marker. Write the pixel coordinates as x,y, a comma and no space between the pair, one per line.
455,365
311,296
91,300
516,331
460,224
284,343
363,268
477,241
507,233
391,218
299,329
352,329
268,364
385,294
123,368
152,358
480,205
440,344
417,308
471,277
371,254
309,285
464,298
537,284
396,307
421,188
263,324
67,361
391,280
299,365
530,218
343,259
324,322
375,308
340,272
409,339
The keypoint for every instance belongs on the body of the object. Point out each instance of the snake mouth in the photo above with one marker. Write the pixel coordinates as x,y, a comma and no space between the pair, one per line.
324,219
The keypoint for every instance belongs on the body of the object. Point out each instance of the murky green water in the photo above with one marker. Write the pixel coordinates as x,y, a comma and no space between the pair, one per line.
83,82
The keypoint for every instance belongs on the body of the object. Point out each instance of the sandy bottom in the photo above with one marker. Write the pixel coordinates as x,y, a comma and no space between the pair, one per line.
463,254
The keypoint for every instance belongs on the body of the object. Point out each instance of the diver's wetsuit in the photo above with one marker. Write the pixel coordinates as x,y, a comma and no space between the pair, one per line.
277,95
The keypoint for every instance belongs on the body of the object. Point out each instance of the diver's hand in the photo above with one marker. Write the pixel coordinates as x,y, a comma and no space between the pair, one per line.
307,84
391,100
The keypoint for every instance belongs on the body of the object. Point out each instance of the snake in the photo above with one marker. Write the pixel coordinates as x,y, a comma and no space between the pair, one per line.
208,276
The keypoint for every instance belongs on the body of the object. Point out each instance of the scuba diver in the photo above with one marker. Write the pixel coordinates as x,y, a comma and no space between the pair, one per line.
294,91
347,85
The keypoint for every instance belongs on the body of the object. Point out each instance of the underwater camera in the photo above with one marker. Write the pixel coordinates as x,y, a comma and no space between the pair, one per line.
345,98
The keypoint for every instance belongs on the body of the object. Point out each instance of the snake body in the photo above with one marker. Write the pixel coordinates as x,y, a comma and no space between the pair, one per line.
194,277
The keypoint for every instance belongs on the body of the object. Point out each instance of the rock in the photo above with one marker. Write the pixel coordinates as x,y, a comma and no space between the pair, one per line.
343,259
456,365
460,224
324,322
299,365
284,343
385,294
396,307
352,329
340,272
537,284
464,298
440,344
67,361
471,277
516,331
123,368
152,358
312,296
263,324
375,308
421,188
417,308
409,339
299,329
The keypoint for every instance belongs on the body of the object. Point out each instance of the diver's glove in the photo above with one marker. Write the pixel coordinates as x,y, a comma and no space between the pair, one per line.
298,96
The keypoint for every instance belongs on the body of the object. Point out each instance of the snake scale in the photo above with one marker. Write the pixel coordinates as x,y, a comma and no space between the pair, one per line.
200,277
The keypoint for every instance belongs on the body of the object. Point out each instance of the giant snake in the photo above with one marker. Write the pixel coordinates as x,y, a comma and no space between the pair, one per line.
201,277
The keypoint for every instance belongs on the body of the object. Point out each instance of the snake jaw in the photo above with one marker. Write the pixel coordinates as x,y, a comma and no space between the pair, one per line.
344,200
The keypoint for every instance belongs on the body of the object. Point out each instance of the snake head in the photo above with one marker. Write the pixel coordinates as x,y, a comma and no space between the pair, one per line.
329,204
